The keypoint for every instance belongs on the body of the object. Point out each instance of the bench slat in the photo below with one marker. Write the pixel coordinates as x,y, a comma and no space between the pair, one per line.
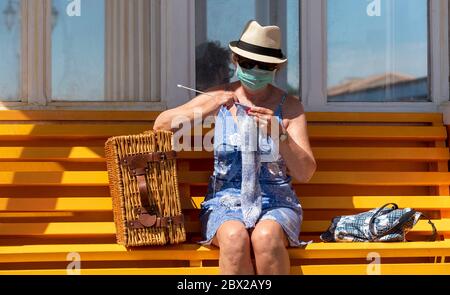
374,117
120,271
21,131
96,153
331,269
100,178
84,115
56,204
105,203
51,167
377,133
29,131
355,202
381,178
380,154
75,153
108,228
115,252
87,115
370,202
385,269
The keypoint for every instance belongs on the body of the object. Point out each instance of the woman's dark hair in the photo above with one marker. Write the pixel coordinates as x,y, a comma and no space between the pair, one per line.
212,65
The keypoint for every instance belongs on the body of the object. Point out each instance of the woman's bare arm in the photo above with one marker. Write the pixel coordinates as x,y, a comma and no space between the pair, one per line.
296,150
203,104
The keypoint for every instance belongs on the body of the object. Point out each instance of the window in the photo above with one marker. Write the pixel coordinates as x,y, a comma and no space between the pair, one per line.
71,53
10,48
377,51
220,21
78,46
107,53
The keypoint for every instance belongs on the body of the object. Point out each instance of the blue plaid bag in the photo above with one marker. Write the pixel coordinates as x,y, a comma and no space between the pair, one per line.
384,224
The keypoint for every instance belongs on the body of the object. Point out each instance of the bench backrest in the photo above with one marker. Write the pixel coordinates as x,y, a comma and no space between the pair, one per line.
54,185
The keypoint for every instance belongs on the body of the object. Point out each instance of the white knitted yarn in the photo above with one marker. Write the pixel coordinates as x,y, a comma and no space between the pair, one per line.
251,202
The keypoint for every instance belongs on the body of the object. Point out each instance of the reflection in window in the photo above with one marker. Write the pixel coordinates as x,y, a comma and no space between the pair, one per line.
10,28
220,21
377,50
108,53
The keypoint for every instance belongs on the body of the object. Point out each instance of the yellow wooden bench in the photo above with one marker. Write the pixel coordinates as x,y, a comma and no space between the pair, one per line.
54,196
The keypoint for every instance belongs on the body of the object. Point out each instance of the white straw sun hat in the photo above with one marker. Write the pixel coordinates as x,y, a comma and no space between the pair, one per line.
260,43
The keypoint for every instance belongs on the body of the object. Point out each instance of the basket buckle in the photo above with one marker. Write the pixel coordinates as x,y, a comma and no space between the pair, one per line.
147,220
162,156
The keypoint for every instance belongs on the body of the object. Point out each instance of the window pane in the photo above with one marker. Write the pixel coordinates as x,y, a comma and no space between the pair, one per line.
293,46
377,50
10,32
106,53
220,21
78,52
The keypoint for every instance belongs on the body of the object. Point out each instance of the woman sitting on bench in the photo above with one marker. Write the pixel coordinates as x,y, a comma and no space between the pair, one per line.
250,203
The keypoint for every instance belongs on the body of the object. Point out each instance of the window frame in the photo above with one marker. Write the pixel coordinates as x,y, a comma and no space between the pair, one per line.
314,63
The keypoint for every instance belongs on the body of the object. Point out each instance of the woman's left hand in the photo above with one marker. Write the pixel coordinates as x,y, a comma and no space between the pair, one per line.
263,118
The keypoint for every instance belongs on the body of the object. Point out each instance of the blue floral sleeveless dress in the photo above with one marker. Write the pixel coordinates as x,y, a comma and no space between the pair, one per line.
222,201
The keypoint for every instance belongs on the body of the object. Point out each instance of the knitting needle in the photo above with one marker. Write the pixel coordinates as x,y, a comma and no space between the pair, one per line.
195,90
246,108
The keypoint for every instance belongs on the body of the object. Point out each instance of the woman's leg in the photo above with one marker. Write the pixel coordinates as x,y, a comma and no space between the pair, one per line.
269,245
234,242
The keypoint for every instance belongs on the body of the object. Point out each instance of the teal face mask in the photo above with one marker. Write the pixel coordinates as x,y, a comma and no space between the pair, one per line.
255,79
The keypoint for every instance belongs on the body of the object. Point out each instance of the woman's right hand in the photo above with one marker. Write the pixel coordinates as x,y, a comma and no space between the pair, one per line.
226,98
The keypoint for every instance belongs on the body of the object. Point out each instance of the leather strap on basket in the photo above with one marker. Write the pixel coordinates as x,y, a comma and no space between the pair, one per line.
138,166
148,220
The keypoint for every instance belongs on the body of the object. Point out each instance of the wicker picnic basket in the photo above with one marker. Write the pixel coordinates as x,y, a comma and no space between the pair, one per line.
144,189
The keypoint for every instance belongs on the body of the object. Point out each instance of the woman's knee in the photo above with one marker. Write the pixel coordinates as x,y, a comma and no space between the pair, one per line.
268,237
233,237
